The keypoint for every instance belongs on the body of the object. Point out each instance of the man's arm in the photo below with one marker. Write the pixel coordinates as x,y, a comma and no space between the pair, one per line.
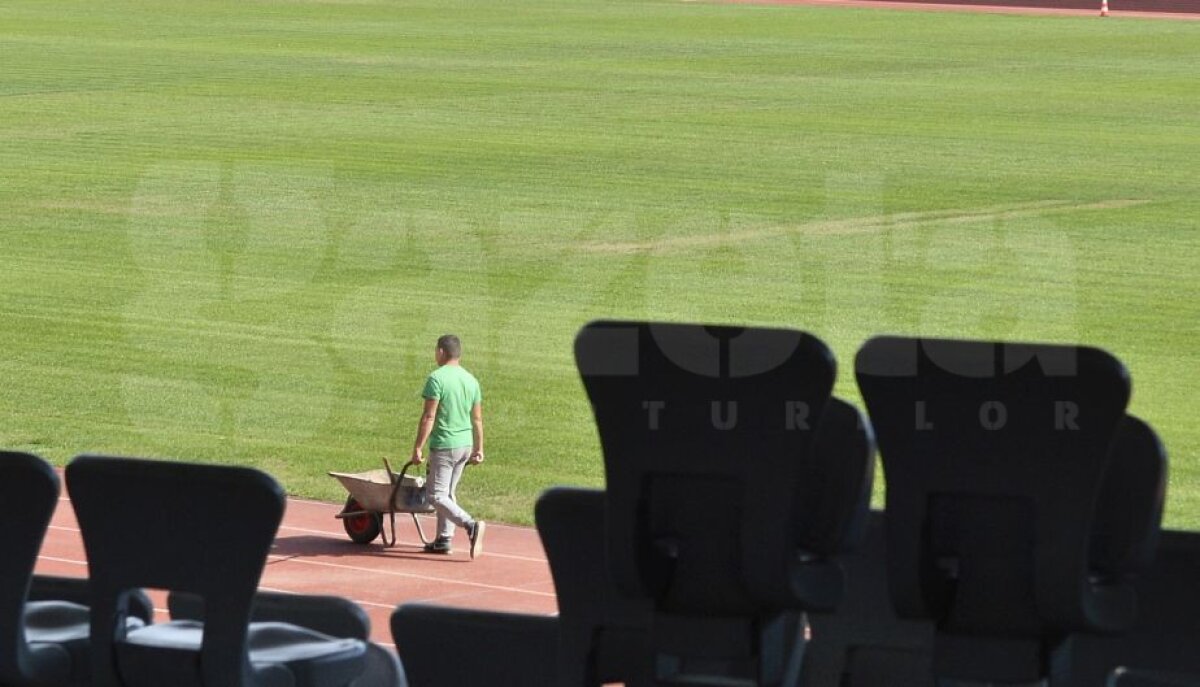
424,428
477,433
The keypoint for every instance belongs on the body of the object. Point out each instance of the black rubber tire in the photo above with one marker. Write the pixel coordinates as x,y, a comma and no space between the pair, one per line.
362,529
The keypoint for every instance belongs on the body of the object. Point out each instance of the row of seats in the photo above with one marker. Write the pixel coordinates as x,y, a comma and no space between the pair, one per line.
733,543
201,532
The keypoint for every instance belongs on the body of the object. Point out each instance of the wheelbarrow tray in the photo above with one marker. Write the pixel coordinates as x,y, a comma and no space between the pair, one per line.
376,492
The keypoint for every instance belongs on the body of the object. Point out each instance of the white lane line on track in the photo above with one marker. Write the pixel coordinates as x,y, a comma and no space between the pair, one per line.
62,560
309,530
70,561
395,573
341,537
373,604
330,535
334,508
442,598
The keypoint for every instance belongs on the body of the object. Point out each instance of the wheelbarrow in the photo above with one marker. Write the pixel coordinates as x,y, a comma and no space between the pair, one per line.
377,493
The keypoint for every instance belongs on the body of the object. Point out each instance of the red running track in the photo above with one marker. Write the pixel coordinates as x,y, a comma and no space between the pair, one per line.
312,555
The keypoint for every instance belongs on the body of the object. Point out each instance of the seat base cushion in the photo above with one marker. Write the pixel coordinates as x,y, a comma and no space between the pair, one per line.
57,633
280,654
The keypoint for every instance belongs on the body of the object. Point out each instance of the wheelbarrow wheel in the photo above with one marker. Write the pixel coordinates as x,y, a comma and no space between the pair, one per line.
363,529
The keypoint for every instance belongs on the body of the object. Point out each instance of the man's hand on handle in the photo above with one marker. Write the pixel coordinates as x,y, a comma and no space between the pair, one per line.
417,457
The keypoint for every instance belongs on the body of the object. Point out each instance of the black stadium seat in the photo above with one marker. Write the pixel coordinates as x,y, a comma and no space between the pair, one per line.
77,591
598,637
442,646
863,643
733,480
1125,531
43,639
330,615
603,636
1165,637
200,529
995,457
1141,678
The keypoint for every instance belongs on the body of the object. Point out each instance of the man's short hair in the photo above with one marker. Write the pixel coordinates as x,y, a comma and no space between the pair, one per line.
451,345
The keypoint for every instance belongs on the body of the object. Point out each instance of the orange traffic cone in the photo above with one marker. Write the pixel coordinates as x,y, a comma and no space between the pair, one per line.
1103,8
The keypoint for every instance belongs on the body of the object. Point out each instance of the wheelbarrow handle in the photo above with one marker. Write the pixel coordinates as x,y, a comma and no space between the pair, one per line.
395,479
404,470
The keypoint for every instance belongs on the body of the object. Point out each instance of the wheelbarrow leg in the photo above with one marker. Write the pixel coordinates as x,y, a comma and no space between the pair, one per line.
383,533
420,531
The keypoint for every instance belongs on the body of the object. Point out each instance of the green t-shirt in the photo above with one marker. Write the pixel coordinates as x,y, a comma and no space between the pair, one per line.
456,391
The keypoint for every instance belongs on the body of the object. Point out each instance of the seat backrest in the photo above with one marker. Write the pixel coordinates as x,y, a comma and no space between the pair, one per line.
443,646
1125,531
706,434
834,492
203,529
1139,678
602,634
863,643
331,615
29,491
994,456
1165,635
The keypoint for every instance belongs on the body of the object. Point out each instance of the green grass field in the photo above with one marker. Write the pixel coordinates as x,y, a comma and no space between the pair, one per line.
232,230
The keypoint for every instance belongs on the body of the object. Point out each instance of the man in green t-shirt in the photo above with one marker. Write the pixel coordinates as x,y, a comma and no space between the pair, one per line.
452,422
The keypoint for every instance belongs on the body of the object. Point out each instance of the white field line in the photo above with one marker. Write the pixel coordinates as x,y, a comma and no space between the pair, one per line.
859,225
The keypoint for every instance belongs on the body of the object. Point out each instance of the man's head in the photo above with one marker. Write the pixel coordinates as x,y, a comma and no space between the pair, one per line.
448,348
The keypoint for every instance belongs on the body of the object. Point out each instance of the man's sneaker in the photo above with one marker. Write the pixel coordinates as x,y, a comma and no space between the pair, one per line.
476,532
438,545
